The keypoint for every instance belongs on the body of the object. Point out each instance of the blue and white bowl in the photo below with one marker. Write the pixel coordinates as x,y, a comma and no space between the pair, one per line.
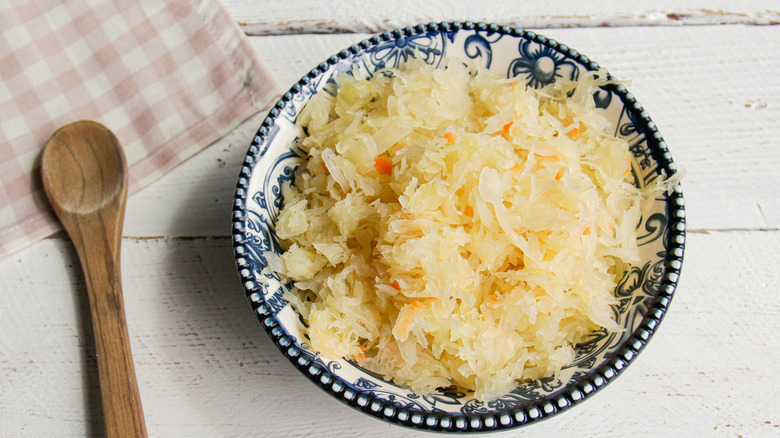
643,295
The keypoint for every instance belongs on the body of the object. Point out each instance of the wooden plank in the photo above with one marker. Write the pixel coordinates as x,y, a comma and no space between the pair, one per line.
708,89
269,17
206,368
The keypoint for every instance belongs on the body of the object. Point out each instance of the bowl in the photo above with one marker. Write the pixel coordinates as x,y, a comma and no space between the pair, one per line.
643,295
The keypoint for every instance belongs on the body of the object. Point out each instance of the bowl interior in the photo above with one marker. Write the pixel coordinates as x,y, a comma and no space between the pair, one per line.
643,295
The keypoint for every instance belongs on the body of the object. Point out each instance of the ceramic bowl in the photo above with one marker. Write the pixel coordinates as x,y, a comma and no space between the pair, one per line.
643,295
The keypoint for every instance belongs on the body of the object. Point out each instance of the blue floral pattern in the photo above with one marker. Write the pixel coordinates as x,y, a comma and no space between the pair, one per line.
428,46
642,296
541,65
480,45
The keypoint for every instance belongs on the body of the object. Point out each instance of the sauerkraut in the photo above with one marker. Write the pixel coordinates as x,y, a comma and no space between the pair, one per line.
457,228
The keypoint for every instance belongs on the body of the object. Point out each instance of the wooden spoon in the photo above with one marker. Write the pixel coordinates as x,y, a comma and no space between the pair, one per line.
85,177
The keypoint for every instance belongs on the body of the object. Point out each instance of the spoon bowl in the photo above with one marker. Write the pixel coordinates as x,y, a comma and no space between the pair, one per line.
84,166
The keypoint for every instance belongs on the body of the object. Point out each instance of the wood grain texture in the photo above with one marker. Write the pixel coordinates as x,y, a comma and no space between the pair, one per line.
85,176
269,17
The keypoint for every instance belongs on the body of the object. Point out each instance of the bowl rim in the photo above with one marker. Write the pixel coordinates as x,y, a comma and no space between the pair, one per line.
566,397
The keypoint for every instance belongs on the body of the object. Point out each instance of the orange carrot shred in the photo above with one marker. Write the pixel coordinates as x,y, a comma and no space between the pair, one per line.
450,137
395,285
416,304
361,357
517,167
324,167
549,157
506,128
559,175
383,166
586,232
362,348
548,232
513,83
494,297
484,318
574,133
626,172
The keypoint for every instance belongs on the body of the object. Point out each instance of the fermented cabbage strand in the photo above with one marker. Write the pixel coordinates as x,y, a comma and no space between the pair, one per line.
484,245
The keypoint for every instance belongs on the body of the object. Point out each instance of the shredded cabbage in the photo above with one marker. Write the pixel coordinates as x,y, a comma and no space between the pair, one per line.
452,228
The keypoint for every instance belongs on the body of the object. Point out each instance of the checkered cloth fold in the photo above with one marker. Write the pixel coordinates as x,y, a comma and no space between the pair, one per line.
168,77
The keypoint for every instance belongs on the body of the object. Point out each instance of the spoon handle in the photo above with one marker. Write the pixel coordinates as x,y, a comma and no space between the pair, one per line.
97,238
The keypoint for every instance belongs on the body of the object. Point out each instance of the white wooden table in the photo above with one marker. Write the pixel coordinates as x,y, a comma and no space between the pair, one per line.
708,74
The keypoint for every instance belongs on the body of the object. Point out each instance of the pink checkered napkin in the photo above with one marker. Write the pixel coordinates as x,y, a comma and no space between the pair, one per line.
168,77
